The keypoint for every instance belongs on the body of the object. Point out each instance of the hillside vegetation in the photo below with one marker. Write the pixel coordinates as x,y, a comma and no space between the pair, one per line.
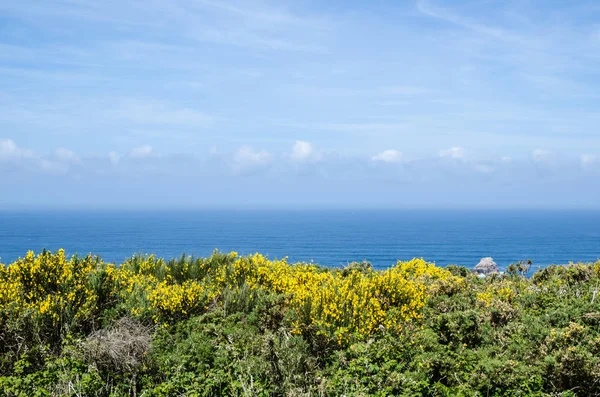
246,326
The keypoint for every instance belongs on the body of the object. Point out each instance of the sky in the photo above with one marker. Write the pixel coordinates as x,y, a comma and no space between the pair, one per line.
338,104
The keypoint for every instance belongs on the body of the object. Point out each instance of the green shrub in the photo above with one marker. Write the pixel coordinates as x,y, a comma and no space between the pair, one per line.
226,325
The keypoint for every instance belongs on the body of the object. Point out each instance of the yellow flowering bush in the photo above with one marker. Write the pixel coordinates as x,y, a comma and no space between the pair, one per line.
502,291
151,288
48,286
567,336
340,304
179,300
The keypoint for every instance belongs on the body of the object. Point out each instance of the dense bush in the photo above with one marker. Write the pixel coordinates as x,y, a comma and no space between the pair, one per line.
230,325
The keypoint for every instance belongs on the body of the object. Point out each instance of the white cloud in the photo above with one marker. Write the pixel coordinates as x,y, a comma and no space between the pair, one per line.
506,159
9,151
455,152
114,158
388,156
67,156
58,163
142,152
542,156
302,150
247,156
8,148
588,160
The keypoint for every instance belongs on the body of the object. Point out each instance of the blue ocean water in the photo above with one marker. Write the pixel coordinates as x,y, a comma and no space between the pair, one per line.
331,238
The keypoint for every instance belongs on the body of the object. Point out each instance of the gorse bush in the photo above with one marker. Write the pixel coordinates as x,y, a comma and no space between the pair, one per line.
44,298
231,325
344,305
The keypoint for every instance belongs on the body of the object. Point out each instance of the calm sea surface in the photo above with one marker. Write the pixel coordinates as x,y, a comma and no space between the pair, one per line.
330,238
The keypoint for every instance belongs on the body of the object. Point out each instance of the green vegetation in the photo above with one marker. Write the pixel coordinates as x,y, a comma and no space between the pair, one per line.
246,326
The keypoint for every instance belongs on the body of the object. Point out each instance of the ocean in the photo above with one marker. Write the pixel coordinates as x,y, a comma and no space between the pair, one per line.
331,238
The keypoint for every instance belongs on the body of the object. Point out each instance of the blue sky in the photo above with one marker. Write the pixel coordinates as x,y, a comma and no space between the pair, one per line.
199,103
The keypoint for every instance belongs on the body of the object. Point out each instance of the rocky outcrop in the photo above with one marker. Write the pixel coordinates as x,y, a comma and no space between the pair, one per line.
486,266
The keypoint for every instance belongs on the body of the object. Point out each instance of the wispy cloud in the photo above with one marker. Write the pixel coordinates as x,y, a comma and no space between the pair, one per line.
244,24
455,152
388,156
384,92
246,156
352,79
277,16
543,156
114,158
152,112
142,152
361,127
429,9
589,160
67,156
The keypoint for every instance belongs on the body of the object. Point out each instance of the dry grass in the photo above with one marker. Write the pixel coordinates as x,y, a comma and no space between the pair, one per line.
121,348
